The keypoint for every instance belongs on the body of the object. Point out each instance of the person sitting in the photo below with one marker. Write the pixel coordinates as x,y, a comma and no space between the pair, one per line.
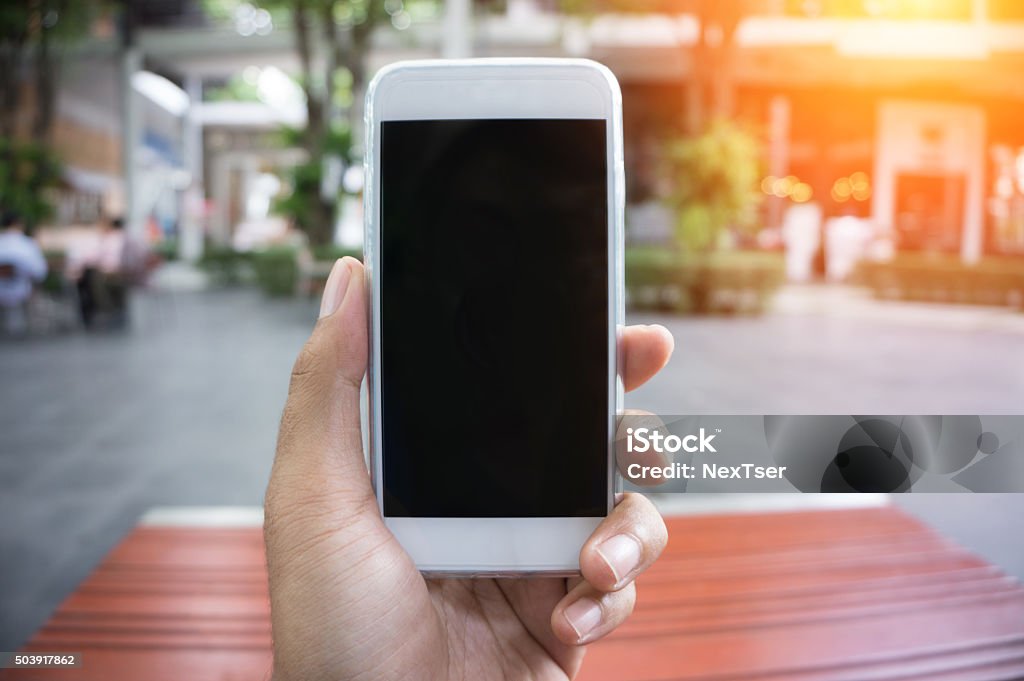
21,264
102,286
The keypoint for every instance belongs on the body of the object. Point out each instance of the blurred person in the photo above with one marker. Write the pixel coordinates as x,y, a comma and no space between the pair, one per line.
348,602
102,272
847,240
801,233
21,264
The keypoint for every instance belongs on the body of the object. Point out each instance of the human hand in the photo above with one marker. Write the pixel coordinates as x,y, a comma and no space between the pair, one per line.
347,602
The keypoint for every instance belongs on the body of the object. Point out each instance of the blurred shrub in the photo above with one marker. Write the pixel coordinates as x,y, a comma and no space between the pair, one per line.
55,283
713,179
236,89
27,170
277,270
167,250
226,266
945,279
724,282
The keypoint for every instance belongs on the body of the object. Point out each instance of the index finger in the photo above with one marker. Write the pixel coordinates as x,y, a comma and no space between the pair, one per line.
645,350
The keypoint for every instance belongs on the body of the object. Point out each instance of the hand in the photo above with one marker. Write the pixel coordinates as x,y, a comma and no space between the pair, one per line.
348,603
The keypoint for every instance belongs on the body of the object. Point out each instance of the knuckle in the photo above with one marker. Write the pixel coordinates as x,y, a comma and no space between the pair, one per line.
644,519
655,538
315,356
308,363
624,599
657,532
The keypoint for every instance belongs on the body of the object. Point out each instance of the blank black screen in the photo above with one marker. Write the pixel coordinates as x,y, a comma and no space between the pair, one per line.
494,318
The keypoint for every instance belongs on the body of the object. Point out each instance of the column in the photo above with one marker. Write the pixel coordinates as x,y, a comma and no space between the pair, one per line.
456,42
131,126
190,239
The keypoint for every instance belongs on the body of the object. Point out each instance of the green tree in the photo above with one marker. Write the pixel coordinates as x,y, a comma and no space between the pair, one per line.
713,170
714,177
332,38
710,93
33,38
27,169
306,181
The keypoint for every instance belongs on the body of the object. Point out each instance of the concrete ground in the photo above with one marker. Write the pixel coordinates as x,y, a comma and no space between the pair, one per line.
182,410
97,428
833,350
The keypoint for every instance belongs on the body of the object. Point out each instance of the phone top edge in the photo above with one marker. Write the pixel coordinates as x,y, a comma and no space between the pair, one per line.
501,68
478,63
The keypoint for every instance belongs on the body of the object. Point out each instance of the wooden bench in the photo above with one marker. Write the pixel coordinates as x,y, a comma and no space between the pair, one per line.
859,595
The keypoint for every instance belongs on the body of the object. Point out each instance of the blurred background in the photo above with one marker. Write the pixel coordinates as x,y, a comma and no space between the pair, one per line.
825,207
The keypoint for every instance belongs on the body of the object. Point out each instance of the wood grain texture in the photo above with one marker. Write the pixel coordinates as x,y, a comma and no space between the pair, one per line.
864,595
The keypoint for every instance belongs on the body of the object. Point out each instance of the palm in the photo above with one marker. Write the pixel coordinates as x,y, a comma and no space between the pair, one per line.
358,594
429,628
501,628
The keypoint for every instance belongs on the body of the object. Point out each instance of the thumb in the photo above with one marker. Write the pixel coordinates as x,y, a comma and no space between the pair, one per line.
327,547
319,446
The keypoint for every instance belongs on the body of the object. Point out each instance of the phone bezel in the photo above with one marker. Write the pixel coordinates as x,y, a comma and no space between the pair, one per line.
481,89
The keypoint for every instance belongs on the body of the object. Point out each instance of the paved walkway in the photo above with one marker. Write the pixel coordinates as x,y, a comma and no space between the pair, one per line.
183,409
98,428
834,350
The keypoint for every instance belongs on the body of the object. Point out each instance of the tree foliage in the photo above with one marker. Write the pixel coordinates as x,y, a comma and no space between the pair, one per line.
306,179
332,38
714,177
711,88
27,170
33,34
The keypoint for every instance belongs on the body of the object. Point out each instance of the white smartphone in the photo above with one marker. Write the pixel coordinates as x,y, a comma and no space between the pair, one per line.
494,199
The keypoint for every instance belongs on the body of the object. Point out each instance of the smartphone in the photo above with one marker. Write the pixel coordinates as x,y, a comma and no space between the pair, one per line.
493,213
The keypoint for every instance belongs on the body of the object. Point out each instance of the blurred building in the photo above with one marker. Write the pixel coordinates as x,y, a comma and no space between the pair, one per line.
112,114
909,121
903,113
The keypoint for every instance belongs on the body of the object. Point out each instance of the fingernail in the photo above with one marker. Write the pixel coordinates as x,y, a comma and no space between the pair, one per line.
621,553
584,615
663,330
334,289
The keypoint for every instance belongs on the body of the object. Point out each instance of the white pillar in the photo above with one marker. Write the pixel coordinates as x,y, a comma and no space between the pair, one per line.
974,126
456,41
190,237
778,154
883,175
131,127
973,244
220,168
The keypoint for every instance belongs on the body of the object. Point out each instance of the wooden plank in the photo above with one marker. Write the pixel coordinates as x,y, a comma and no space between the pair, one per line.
965,661
863,595
742,653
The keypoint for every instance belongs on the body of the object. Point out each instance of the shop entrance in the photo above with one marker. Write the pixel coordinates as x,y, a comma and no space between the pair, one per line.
928,179
929,212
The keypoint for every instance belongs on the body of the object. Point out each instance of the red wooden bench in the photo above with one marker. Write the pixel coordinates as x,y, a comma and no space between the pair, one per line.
860,595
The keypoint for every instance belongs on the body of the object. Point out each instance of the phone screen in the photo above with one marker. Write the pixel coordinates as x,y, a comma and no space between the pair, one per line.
494,318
